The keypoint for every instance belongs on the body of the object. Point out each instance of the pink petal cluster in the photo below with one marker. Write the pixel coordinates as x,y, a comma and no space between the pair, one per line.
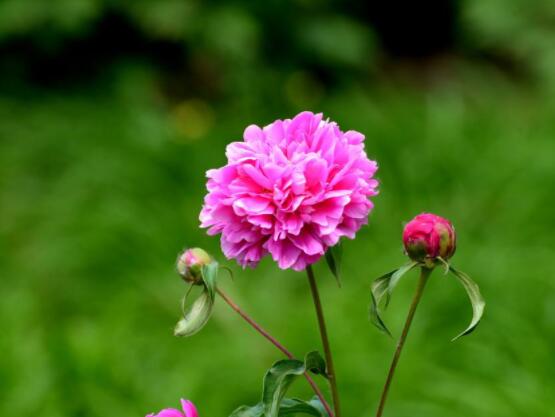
429,236
291,189
189,410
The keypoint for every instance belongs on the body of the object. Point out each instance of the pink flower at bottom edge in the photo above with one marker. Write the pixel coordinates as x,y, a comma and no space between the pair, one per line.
189,410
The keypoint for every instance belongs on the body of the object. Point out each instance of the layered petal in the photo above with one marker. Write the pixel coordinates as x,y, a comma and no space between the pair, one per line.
291,190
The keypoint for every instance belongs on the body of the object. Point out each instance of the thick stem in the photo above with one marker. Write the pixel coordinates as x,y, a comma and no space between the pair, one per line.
424,274
277,344
325,340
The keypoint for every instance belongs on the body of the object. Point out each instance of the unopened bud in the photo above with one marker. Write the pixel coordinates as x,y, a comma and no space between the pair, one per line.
190,263
428,237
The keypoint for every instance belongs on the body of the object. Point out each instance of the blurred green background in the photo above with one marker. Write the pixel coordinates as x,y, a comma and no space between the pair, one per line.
112,111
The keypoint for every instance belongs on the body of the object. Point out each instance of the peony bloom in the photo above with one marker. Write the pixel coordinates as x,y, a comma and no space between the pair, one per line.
427,237
189,410
291,189
190,263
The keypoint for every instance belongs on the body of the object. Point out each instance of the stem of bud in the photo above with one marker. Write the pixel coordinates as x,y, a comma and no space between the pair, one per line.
424,275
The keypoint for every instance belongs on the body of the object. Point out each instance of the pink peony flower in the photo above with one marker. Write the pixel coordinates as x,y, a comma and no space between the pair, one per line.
428,236
291,189
189,410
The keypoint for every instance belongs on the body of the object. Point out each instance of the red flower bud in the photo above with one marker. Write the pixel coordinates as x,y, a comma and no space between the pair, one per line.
428,237
190,263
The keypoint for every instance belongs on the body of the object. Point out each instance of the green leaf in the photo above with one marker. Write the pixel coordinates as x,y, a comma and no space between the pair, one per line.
333,258
201,310
210,277
378,290
396,277
315,364
276,383
295,406
288,407
383,287
246,411
478,303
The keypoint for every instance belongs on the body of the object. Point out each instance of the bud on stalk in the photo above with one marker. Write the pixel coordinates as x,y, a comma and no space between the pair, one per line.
190,263
428,237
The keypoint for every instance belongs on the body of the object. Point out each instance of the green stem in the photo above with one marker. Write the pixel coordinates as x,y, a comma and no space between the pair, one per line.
276,343
325,340
424,275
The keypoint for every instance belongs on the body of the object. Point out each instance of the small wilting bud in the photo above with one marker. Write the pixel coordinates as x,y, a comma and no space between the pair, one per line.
190,263
428,237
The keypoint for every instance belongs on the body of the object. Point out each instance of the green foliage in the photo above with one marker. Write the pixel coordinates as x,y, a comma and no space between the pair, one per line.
277,381
101,183
201,310
384,286
333,259
476,299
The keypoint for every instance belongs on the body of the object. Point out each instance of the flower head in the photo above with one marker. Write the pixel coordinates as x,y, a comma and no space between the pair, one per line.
189,410
290,189
427,237
190,263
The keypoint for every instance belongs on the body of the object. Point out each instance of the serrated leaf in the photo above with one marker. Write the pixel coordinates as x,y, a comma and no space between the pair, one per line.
315,363
476,299
201,310
333,259
378,290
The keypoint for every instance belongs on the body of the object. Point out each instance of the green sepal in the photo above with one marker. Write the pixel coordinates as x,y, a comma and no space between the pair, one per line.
476,299
201,309
333,259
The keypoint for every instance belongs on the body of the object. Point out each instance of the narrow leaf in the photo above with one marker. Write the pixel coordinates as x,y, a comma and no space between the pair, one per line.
315,364
476,299
396,277
210,276
333,258
378,290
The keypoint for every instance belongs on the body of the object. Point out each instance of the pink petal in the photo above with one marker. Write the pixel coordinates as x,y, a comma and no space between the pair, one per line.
189,408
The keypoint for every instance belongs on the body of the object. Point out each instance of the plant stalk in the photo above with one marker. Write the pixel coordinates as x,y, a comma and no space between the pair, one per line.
325,340
277,344
424,275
